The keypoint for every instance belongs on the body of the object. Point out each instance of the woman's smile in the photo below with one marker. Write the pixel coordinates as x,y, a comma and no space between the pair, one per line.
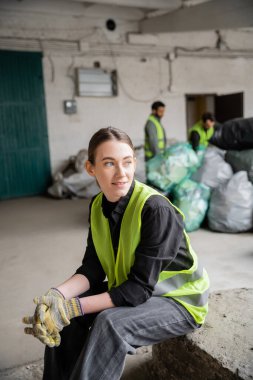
120,184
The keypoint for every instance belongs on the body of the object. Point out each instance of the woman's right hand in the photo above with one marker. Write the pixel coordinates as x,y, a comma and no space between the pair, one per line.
58,312
39,329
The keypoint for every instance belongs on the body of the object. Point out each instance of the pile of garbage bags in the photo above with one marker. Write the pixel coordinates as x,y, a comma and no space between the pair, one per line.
216,185
214,171
140,173
73,181
166,170
192,199
235,134
241,160
231,205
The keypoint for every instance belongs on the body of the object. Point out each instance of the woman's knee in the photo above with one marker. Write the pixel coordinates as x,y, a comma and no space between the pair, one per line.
109,320
104,319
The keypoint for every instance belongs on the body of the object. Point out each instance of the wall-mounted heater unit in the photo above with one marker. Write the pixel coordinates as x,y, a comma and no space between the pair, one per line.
96,82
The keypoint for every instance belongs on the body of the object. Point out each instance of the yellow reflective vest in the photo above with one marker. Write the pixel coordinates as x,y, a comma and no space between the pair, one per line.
204,135
160,138
189,287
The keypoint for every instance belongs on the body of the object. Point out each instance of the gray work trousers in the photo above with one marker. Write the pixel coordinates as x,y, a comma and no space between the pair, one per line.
94,347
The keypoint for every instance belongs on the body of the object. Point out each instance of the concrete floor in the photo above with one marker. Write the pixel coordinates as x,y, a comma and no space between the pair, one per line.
42,242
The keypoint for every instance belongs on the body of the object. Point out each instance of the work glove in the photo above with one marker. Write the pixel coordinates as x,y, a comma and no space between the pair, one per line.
55,293
57,313
38,329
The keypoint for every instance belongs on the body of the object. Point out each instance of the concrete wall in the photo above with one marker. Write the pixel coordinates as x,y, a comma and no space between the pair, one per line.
138,86
149,67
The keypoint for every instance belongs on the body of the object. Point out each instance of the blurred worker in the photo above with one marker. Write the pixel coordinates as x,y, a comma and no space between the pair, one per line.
155,138
202,131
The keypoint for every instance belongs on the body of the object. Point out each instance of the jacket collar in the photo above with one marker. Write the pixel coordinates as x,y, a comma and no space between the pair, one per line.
112,209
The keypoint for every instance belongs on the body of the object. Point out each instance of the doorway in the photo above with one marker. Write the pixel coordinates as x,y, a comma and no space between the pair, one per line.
24,154
224,107
228,107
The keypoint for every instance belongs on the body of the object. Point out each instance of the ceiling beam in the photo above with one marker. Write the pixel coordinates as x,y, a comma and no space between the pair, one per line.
146,4
212,15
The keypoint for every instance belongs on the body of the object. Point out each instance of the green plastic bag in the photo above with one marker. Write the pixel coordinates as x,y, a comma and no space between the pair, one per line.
201,151
164,171
192,199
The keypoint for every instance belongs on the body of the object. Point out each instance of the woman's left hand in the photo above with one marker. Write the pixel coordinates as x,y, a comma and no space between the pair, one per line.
39,330
58,312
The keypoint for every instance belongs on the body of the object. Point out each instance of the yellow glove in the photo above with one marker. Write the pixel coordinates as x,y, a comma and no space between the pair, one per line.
55,292
58,313
39,331
41,310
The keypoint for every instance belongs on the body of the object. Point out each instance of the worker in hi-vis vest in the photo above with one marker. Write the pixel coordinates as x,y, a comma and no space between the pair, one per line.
155,138
140,281
202,131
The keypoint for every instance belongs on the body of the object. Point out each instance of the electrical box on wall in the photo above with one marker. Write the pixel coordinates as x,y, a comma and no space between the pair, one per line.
96,82
70,106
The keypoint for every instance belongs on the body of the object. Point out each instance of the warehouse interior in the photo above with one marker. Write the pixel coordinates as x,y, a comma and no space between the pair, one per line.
193,55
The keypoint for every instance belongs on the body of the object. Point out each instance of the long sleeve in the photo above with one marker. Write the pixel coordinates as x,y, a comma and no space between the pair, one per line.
194,140
91,266
161,238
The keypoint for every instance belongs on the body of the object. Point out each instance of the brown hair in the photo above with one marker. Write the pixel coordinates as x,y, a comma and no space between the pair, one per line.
157,105
207,116
106,134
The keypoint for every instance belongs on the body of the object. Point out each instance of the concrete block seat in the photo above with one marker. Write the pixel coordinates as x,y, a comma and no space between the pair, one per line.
221,349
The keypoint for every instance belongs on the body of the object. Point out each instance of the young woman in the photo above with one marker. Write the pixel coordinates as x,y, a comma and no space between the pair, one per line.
155,287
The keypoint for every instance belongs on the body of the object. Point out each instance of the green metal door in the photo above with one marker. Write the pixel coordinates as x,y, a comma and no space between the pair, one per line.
24,155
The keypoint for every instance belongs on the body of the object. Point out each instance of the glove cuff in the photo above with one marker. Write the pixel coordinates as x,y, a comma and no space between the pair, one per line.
57,293
54,292
74,308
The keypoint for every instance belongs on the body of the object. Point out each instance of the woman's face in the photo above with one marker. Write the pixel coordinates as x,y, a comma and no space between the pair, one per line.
114,168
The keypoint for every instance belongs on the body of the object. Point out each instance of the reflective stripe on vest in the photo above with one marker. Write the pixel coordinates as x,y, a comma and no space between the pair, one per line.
189,286
203,135
160,137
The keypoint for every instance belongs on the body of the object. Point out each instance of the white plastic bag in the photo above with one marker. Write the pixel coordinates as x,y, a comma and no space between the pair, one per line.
214,170
231,205
140,173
